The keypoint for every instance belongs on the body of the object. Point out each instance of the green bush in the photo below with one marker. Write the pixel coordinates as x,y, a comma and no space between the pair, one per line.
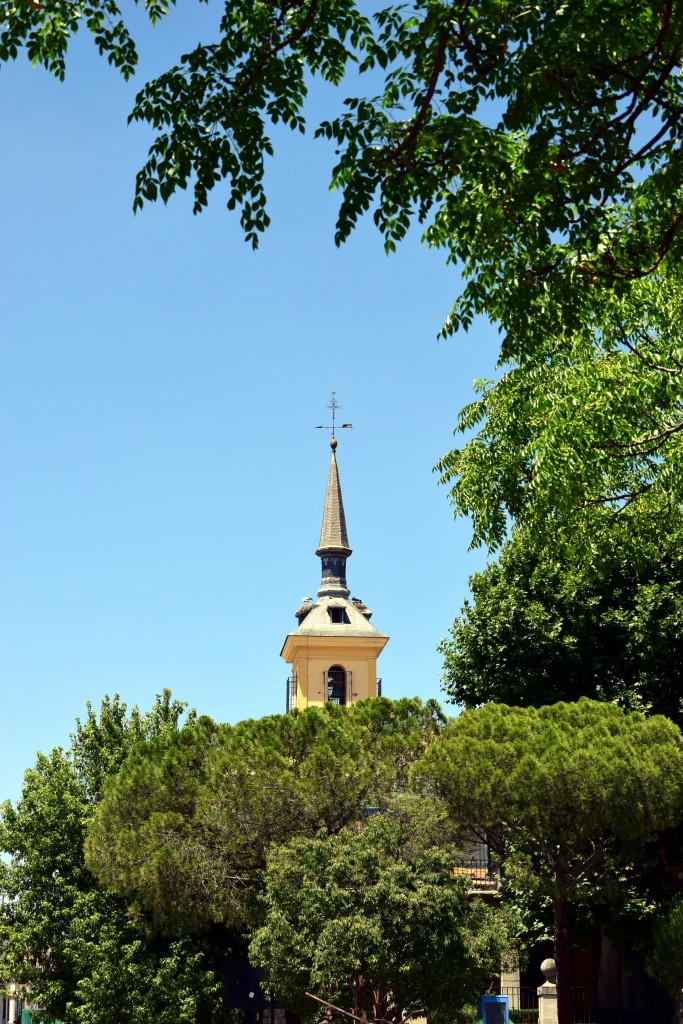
469,1015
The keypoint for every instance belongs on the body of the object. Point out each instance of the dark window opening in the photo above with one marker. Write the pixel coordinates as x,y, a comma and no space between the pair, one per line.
336,685
338,615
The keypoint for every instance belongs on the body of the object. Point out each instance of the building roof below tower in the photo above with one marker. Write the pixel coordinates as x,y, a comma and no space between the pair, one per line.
318,621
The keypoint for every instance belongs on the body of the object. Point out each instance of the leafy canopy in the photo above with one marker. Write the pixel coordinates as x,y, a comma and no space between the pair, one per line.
594,417
551,621
568,794
374,920
577,787
574,156
540,147
185,828
60,933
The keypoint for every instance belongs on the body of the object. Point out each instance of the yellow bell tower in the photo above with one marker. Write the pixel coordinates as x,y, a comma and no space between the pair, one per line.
334,650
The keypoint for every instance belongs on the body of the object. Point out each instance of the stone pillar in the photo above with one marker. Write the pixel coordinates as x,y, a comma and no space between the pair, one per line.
13,1016
510,986
547,994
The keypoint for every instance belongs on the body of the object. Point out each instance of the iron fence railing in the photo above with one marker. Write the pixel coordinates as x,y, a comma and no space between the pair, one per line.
483,874
650,1005
521,997
292,694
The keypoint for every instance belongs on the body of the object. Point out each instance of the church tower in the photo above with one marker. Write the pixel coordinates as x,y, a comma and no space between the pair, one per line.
334,650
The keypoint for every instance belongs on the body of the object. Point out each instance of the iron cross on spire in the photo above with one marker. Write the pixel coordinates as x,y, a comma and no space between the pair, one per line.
333,404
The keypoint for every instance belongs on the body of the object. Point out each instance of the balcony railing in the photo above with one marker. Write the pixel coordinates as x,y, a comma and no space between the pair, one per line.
292,694
483,876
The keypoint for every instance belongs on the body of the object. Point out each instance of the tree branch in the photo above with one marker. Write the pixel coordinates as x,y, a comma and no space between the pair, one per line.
410,141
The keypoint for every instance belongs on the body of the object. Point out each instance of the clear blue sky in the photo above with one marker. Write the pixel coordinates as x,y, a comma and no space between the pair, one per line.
162,486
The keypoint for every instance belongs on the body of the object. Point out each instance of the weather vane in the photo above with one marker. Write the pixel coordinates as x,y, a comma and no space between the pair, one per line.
333,404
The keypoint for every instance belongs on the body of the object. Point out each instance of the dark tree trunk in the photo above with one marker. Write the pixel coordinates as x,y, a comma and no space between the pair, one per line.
357,988
565,1012
380,1006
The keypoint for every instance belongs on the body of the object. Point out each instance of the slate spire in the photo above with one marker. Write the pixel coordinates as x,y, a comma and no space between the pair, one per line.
333,548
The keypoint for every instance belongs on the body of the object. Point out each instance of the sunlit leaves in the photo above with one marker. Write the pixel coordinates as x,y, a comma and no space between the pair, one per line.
594,416
43,32
567,794
585,118
212,110
578,788
375,921
186,827
538,145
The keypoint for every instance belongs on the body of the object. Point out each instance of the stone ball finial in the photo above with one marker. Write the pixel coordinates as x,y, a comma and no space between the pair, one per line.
333,443
549,970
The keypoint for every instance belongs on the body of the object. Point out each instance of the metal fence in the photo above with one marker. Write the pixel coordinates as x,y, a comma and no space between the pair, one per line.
292,694
14,1011
649,1006
520,997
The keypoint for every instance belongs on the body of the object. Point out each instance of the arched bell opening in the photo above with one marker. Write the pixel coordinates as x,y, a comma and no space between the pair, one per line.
337,684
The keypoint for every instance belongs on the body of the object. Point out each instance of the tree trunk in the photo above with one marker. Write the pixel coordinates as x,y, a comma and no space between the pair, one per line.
357,992
565,1012
380,1006
609,980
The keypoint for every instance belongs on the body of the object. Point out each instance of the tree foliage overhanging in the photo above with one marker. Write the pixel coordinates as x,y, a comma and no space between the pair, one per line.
574,158
540,147
593,419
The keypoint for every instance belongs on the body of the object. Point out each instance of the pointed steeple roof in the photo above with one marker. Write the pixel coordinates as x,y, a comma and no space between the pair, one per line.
333,535
334,542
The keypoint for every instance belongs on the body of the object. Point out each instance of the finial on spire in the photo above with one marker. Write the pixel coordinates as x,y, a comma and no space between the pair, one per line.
333,404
